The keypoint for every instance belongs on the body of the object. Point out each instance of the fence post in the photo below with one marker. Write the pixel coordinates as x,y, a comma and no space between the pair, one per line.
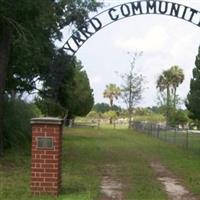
175,132
187,139
166,134
151,130
114,125
158,131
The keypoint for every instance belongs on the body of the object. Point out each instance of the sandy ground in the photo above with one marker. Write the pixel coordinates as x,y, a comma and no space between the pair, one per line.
111,187
174,189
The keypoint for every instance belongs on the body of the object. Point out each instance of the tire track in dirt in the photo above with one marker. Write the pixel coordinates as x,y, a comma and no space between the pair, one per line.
175,190
111,187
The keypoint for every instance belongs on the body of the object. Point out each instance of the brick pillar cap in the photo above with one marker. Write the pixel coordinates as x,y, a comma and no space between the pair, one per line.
47,120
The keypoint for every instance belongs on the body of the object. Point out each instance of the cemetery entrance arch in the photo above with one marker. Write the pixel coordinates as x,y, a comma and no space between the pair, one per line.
119,12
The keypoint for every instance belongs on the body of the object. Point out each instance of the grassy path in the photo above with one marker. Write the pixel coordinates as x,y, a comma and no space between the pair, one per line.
86,155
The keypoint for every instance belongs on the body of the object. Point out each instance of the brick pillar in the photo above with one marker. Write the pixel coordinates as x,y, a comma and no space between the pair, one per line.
46,156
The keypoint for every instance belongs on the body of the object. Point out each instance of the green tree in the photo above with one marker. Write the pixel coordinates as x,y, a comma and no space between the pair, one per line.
101,107
69,98
82,99
21,36
28,32
193,97
132,86
167,84
111,92
180,117
177,78
163,83
111,114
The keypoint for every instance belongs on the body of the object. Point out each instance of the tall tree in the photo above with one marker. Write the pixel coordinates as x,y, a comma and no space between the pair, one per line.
168,82
66,95
28,30
132,86
163,83
193,97
111,92
82,99
177,79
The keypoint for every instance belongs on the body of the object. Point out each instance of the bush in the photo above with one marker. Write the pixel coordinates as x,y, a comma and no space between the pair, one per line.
16,122
178,117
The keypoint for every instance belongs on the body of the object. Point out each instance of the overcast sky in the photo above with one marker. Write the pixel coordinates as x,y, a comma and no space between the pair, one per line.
165,41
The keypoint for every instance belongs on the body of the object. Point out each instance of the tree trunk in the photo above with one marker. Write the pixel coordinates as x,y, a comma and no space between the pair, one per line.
168,105
5,43
111,102
129,117
111,107
174,97
65,118
111,120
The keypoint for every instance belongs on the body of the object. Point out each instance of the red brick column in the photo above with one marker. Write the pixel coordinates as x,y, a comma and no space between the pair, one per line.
46,155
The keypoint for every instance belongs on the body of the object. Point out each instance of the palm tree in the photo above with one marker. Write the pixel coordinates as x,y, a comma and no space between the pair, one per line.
177,79
164,82
111,92
169,80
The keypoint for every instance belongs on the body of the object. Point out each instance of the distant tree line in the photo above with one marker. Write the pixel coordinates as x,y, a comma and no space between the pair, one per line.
168,100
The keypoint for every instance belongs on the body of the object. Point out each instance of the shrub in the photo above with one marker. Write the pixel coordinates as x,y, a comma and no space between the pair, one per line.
179,117
16,122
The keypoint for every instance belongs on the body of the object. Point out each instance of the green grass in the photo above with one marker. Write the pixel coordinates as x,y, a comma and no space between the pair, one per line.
86,152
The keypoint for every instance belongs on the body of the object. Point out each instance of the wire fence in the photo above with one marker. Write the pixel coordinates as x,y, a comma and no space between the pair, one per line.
188,139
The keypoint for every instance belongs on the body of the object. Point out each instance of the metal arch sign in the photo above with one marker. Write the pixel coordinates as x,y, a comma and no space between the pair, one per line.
116,13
